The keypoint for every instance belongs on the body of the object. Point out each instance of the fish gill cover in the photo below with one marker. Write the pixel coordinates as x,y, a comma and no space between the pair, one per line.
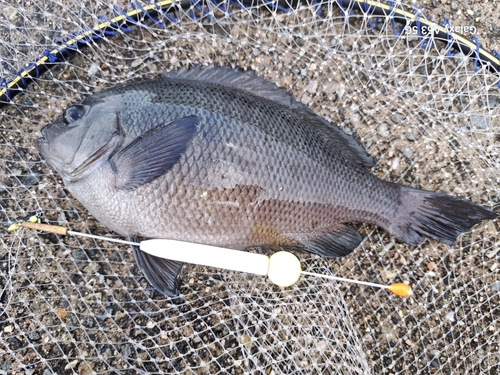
425,110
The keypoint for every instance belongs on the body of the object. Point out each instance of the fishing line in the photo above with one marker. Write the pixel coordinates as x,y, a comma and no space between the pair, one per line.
282,268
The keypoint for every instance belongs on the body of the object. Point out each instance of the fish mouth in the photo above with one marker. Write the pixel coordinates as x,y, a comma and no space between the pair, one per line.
43,140
43,143
98,157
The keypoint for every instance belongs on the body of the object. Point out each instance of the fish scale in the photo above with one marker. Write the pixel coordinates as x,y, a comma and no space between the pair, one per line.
224,158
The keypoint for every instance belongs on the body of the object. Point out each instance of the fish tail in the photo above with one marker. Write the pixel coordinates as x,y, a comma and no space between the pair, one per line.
436,216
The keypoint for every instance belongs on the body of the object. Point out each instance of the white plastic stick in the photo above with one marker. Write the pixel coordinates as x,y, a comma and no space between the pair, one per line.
282,268
207,255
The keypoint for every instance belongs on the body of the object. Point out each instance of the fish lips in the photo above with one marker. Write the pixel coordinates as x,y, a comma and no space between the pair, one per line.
75,151
44,144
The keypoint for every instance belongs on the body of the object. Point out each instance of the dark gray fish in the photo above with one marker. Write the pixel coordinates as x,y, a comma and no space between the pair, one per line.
225,158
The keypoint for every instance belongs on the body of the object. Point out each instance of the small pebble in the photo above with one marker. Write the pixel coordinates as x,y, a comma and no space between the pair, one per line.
386,248
84,369
305,98
383,130
94,68
493,101
61,312
460,58
395,164
14,342
321,345
61,219
447,104
495,287
33,336
410,137
246,340
136,63
300,42
454,5
388,275
492,230
312,87
71,365
492,253
79,255
11,14
480,121
406,152
335,87
431,266
495,30
91,268
397,118
355,119
8,329
139,333
450,316
30,180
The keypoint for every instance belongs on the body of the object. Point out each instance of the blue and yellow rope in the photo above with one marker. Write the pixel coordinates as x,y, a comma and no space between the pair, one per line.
34,69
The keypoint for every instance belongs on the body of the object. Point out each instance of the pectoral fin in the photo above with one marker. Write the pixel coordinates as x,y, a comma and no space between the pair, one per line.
341,241
153,154
163,274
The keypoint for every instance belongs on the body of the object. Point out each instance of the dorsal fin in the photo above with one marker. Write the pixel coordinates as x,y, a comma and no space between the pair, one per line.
249,82
339,139
242,80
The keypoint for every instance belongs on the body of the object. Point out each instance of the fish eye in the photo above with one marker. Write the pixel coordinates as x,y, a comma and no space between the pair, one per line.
73,114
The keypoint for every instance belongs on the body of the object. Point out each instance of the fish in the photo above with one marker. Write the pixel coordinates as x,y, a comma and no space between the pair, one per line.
223,157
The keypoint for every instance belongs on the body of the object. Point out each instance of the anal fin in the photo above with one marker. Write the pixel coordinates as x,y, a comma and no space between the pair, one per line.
163,274
337,243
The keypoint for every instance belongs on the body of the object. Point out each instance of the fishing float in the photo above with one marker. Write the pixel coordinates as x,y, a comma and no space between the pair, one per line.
282,268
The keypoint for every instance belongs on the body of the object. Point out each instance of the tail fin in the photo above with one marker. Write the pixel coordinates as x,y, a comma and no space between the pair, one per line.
437,216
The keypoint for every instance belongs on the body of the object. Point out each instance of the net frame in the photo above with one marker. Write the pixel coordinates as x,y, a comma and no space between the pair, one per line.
329,355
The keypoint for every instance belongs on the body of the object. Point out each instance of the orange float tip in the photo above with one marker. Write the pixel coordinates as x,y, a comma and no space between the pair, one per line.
400,289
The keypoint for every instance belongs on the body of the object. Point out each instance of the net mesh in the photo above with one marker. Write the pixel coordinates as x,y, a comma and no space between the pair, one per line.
428,113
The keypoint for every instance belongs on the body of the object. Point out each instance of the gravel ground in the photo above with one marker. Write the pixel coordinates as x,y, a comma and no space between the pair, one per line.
81,306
